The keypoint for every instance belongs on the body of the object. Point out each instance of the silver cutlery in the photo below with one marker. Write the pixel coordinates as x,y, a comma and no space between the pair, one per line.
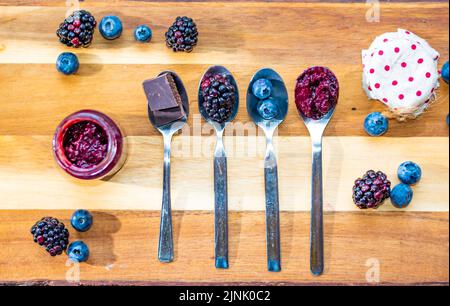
220,171
280,95
165,247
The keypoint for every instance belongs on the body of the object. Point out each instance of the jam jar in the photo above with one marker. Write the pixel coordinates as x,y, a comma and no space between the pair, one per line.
89,145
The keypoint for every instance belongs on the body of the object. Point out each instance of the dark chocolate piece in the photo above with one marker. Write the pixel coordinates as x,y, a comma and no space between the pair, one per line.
164,100
160,93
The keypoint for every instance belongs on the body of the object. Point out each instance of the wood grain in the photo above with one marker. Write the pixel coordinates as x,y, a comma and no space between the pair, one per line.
61,3
278,34
116,89
24,161
409,248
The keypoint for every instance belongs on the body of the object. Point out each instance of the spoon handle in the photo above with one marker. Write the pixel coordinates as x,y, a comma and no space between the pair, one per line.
221,205
316,260
165,248
272,210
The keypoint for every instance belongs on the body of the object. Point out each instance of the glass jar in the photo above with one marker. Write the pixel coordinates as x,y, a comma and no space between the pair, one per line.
83,129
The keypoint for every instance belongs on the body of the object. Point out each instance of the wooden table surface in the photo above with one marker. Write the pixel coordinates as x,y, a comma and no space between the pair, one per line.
409,246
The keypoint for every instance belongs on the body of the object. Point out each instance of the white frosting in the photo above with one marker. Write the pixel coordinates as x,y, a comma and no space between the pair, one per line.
400,70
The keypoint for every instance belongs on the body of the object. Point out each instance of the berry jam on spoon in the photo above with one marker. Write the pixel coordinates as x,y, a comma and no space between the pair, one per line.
267,105
316,97
218,102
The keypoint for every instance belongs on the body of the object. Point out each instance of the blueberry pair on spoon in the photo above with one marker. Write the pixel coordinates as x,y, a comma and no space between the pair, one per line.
267,105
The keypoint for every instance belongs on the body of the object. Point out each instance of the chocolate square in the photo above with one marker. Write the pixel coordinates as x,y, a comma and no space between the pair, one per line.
164,100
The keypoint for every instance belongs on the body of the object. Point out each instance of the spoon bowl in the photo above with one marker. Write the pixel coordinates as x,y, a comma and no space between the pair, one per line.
280,96
177,125
212,71
279,93
220,169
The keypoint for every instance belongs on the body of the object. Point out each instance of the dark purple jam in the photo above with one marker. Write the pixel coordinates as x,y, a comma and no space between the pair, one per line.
85,144
316,92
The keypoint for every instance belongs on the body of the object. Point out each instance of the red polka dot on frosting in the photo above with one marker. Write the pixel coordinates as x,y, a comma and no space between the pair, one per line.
401,97
385,100
397,50
385,40
394,83
404,65
420,60
428,75
387,68
381,52
418,93
377,85
372,70
407,32
410,79
414,47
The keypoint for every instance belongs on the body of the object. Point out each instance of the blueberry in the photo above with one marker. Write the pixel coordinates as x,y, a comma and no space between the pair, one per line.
78,251
445,72
143,33
110,27
376,124
67,63
262,89
409,173
268,109
81,220
401,195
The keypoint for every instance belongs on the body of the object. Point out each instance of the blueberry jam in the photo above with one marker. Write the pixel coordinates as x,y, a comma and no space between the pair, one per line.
316,92
85,144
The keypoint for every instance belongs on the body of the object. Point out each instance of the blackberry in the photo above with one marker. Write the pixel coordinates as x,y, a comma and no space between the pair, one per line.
77,30
51,234
182,35
219,96
371,190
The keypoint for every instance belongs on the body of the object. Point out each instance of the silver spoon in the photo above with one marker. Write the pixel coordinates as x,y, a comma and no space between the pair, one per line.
165,247
280,95
220,171
316,129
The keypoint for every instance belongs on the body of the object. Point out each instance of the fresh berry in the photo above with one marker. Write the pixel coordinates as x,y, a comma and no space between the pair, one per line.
316,92
409,173
85,144
51,234
182,35
110,27
78,251
143,33
262,89
219,97
371,190
401,195
67,63
376,124
77,30
81,220
268,109
445,72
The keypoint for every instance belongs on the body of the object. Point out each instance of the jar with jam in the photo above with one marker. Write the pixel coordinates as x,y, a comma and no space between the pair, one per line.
89,145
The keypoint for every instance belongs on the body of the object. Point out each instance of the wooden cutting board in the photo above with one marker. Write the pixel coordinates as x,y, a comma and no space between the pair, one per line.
387,246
